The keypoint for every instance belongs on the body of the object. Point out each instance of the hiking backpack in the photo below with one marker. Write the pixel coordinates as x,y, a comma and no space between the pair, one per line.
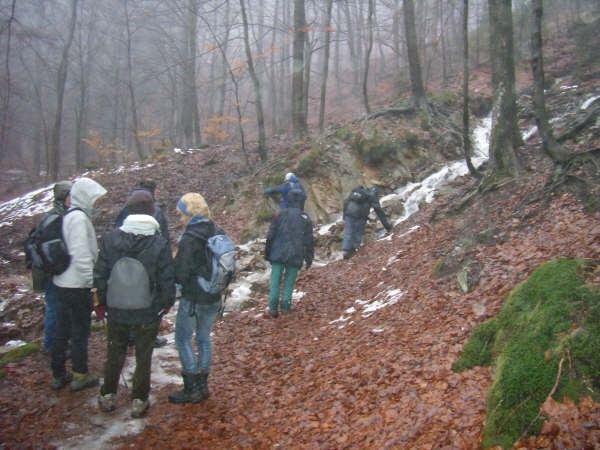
220,251
128,286
45,246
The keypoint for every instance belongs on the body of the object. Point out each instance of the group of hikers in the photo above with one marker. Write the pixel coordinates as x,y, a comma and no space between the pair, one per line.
137,252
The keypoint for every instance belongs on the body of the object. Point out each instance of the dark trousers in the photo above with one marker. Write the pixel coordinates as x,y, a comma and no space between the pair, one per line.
118,339
73,322
354,229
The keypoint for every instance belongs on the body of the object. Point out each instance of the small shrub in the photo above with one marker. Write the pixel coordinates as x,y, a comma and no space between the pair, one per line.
265,215
411,139
309,163
376,149
344,133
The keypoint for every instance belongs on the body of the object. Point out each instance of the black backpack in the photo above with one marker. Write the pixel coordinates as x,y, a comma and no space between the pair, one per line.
45,247
359,195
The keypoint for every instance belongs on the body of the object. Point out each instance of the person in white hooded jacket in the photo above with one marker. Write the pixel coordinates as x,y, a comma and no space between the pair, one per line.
74,297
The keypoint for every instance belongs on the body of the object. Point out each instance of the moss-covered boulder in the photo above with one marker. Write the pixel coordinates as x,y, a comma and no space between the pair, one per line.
544,342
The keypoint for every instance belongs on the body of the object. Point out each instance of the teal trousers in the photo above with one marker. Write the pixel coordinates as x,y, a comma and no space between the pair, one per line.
289,274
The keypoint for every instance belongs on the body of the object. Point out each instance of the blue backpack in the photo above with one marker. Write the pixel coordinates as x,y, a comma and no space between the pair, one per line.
221,252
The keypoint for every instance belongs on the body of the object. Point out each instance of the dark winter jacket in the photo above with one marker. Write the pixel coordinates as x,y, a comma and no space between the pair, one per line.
290,239
285,188
359,202
159,215
192,260
154,252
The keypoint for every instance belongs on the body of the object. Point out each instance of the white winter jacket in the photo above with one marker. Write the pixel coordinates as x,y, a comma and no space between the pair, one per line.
80,236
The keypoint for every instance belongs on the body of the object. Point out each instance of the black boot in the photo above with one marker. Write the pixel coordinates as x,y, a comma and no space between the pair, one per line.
202,385
190,392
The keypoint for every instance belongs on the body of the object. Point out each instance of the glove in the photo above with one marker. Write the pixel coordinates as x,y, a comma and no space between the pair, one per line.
100,311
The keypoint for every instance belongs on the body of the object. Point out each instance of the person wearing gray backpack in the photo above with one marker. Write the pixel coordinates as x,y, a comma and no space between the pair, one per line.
135,282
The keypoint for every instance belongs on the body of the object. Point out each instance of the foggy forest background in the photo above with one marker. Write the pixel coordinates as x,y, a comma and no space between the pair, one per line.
87,83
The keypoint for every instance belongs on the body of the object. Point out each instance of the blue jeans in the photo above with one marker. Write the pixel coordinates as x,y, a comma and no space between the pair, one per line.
193,318
50,315
73,322
289,274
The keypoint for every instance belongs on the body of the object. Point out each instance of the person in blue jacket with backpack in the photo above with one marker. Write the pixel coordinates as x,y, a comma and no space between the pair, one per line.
291,182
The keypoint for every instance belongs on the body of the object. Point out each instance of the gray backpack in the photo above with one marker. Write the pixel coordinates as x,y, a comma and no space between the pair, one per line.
129,285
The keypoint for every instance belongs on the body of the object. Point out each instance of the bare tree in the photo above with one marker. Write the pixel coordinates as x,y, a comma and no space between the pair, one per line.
61,81
368,56
466,129
416,78
298,111
556,151
260,119
325,66
6,85
130,85
504,136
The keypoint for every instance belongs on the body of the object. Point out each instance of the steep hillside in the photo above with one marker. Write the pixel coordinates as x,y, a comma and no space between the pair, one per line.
365,359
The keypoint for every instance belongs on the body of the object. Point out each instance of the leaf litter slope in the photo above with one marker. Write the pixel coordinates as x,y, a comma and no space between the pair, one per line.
336,374
383,379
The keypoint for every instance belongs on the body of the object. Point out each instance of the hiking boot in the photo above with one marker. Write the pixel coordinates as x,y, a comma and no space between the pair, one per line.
190,393
271,313
106,402
202,385
139,407
83,381
61,382
160,342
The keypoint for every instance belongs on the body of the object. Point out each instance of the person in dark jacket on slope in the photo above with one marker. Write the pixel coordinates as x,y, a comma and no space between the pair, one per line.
138,237
289,244
197,309
150,187
357,207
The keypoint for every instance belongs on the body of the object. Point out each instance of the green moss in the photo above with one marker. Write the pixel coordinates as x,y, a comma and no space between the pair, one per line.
375,149
309,163
265,215
17,354
478,351
526,342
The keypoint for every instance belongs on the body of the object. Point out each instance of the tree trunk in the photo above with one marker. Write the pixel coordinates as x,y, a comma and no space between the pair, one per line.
298,114
189,114
131,89
6,85
368,57
504,136
260,119
325,67
61,81
466,129
556,151
414,65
